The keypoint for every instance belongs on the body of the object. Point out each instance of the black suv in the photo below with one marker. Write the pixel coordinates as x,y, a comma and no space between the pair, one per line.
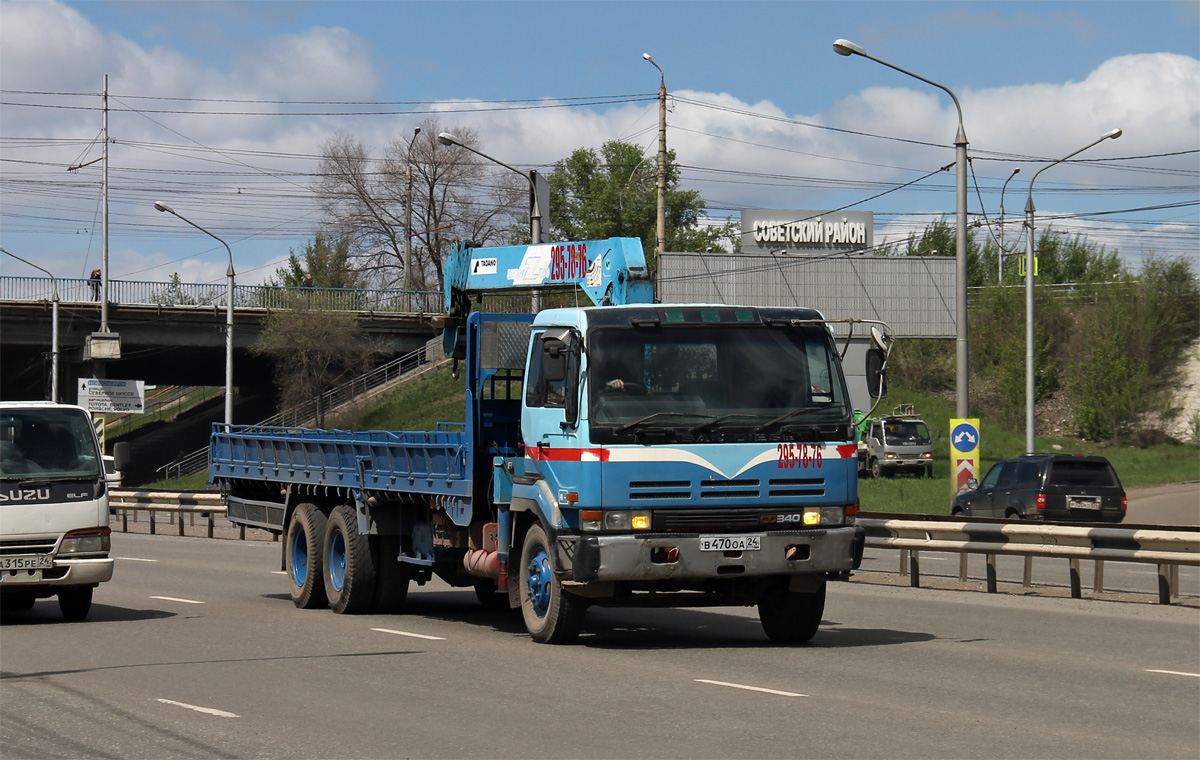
1046,487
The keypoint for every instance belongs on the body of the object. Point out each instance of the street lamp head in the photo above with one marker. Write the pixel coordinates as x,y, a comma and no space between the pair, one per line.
846,47
1114,134
445,138
647,56
163,207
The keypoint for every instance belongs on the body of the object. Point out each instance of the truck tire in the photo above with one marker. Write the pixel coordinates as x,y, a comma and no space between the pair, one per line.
552,616
75,603
491,597
876,468
302,558
391,577
791,617
349,567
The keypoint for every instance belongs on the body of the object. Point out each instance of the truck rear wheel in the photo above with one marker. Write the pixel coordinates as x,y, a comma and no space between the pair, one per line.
302,559
75,603
349,567
552,616
791,617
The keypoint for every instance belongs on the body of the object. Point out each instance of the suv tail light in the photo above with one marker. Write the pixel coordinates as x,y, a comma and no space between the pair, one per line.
1041,501
1124,503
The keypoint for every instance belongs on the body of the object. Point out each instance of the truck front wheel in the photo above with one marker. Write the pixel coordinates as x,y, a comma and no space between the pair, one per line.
75,603
552,616
302,557
876,468
349,567
791,617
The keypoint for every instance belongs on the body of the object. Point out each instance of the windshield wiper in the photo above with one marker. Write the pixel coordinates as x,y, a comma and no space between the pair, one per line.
631,425
716,421
787,415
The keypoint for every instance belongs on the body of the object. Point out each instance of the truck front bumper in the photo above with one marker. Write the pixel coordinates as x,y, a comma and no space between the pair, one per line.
65,572
667,556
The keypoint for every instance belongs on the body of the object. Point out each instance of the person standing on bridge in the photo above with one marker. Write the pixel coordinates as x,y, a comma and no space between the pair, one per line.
94,284
306,281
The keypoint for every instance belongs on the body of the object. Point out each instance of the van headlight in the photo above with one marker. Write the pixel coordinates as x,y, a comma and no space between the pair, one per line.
89,541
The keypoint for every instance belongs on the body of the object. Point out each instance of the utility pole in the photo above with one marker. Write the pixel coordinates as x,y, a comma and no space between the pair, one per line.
660,242
408,218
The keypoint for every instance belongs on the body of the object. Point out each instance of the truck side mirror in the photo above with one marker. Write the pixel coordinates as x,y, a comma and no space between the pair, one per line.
554,361
876,377
121,456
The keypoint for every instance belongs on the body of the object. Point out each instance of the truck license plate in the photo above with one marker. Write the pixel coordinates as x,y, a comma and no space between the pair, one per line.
730,543
33,562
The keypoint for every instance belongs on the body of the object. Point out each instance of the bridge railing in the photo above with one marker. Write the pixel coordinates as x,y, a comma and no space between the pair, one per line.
146,292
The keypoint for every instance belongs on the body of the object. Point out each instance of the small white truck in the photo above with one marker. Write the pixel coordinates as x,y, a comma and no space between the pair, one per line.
54,533
896,442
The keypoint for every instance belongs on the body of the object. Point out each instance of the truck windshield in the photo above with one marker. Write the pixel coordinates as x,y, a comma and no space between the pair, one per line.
709,378
47,443
901,432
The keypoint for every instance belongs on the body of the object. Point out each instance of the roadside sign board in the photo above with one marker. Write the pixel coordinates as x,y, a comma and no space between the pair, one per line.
964,451
112,396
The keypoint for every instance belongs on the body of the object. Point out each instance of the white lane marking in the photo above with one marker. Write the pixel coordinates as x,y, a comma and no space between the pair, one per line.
751,688
205,710
176,599
279,572
1174,673
135,559
406,633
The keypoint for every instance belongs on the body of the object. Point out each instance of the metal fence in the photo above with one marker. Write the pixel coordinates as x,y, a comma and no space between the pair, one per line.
1167,548
143,292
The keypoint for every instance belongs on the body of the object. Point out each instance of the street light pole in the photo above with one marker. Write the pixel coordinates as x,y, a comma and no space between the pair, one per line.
660,240
408,216
1000,256
229,285
845,47
53,329
1030,420
535,218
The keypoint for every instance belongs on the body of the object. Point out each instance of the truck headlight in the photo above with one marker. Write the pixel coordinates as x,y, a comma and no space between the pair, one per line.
87,541
614,519
814,516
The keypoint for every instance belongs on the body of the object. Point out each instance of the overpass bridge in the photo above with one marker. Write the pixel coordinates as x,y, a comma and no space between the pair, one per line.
173,333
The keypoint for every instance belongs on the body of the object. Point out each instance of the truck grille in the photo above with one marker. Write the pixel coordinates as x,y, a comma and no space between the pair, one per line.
748,489
28,546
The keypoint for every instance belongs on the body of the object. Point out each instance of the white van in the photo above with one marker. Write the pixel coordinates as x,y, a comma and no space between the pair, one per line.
54,534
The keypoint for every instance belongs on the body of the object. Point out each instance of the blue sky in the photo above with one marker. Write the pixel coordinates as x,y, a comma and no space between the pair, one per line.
751,85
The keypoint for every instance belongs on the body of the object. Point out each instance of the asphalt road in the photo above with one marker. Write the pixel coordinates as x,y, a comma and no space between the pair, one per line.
194,650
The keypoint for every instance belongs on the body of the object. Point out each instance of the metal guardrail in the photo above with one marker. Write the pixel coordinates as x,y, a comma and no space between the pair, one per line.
207,504
1167,548
146,292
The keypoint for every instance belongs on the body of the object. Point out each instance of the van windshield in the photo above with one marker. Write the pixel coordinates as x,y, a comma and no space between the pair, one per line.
47,443
902,432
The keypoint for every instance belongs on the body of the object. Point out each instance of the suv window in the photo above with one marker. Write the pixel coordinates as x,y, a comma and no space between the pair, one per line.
1027,473
1067,473
1008,476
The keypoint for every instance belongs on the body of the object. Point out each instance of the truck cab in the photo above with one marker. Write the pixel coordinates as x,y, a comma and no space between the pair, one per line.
54,532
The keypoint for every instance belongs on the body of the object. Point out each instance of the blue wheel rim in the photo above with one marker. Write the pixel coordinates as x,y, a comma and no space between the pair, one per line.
337,560
538,581
300,557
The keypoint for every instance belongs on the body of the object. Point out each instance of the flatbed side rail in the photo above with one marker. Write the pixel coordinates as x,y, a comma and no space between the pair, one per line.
433,462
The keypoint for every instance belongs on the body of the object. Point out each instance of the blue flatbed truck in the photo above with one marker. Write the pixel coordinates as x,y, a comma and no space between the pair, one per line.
620,453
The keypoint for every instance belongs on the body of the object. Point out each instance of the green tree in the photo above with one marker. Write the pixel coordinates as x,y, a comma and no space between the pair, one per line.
326,259
312,351
613,192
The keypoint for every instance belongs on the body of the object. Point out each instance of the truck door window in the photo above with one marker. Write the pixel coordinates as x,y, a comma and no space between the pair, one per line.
552,372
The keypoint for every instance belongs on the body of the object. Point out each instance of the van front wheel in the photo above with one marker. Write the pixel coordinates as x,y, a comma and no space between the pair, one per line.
76,603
